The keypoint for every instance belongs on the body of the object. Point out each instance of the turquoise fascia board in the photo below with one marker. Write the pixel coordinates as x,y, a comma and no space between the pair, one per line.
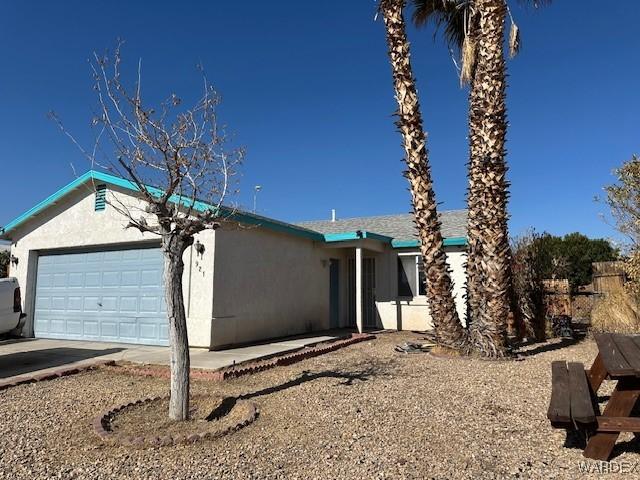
455,241
404,243
341,237
129,185
346,236
447,242
275,225
242,217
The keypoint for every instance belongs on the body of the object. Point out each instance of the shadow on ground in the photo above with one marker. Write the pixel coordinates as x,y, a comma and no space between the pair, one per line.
347,379
577,440
20,363
579,334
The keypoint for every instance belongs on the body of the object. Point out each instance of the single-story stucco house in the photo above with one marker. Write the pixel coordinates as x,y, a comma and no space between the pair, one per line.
85,276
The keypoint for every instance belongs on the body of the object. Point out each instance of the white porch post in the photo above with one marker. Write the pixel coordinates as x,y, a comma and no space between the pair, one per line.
359,323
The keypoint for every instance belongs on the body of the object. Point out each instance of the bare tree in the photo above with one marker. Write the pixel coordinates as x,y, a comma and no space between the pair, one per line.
183,164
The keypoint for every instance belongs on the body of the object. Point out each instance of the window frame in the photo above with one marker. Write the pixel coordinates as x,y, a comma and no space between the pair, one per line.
418,287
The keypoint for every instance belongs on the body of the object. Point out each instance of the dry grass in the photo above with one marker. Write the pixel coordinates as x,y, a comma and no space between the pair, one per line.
617,312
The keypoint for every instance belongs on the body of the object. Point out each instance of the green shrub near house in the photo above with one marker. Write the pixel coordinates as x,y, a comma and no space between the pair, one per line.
4,263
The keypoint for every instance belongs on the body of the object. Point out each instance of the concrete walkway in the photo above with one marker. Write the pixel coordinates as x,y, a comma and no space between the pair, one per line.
31,355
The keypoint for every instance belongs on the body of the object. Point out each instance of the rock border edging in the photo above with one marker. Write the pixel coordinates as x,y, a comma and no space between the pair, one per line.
256,366
102,423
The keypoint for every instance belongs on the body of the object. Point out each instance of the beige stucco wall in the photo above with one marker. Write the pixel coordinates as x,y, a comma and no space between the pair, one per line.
249,284
413,314
268,284
73,223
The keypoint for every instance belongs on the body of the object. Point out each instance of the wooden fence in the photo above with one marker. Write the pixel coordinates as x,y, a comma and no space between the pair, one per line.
608,277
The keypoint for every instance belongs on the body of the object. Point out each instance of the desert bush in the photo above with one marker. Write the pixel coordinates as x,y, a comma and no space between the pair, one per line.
527,289
617,312
631,266
4,263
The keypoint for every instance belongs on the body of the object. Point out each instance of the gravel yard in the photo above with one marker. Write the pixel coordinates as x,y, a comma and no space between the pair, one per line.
361,412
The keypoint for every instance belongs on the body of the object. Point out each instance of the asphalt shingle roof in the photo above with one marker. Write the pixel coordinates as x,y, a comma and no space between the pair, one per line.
399,227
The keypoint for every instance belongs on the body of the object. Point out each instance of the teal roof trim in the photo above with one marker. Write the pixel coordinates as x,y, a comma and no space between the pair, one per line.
447,242
343,237
275,225
242,217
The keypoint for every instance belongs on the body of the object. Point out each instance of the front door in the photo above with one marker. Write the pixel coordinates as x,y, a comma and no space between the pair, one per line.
369,316
369,292
334,293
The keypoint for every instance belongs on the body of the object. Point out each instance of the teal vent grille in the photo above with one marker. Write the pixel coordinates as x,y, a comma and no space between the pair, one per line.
101,194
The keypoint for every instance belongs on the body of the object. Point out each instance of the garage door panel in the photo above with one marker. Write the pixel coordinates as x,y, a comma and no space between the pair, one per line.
75,279
128,330
164,330
59,303
92,279
114,296
90,327
109,304
128,304
74,304
108,328
110,279
149,304
90,304
57,325
43,303
130,278
59,280
150,278
41,326
74,327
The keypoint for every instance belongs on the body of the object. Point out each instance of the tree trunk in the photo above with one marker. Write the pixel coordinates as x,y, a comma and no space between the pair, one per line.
489,252
473,265
449,331
173,247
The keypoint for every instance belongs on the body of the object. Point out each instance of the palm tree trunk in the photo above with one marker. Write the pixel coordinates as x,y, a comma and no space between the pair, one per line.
173,247
475,211
489,252
449,331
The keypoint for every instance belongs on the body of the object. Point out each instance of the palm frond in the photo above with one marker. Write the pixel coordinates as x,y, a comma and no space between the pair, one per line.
514,40
446,14
468,60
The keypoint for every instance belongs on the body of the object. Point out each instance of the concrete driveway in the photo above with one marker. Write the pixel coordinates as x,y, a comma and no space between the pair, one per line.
30,355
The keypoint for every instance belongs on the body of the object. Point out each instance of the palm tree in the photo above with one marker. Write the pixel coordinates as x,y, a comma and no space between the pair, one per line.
449,330
476,29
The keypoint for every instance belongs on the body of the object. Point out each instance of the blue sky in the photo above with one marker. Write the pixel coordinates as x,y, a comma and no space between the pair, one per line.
307,90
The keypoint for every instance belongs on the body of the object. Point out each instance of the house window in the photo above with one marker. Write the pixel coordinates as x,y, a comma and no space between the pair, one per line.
101,197
411,279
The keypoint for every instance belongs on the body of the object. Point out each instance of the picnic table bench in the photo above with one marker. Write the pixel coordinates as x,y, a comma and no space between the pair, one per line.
574,403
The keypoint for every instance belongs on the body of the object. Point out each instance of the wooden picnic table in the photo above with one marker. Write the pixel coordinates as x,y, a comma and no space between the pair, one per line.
618,359
574,402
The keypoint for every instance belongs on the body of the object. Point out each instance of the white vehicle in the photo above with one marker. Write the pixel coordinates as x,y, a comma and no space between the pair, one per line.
11,316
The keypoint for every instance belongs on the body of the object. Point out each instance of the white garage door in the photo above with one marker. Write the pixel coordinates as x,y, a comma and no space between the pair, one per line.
111,296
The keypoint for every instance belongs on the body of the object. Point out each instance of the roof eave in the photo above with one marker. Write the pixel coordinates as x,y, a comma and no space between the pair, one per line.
447,242
242,217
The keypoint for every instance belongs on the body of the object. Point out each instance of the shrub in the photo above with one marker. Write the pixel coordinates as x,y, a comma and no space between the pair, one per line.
617,312
4,263
527,290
